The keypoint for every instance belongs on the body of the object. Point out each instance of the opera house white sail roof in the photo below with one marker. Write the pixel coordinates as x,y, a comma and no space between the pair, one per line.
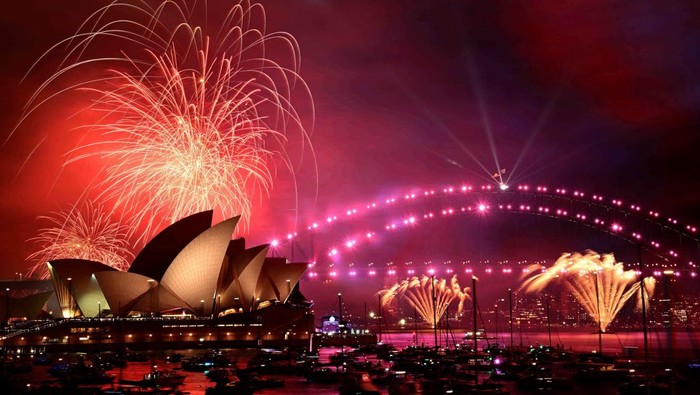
190,265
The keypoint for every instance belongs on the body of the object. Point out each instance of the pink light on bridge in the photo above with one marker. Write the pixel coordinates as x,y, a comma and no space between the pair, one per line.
274,243
612,225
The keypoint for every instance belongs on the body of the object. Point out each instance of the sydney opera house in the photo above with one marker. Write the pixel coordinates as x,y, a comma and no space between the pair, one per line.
191,284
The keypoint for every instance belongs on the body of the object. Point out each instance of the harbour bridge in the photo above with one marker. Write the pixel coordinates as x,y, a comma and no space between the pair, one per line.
661,242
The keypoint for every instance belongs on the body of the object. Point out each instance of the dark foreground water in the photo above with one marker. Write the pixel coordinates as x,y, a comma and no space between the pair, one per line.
681,346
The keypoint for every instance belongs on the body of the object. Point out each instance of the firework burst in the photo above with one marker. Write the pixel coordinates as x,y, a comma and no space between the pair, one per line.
190,119
87,233
419,294
600,284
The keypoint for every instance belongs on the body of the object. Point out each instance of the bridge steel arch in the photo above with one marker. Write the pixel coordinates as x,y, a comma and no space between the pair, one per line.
672,241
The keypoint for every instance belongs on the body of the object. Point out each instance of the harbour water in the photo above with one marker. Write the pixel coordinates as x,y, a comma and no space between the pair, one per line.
682,346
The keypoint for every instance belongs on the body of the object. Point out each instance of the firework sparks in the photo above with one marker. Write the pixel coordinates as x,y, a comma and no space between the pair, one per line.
419,294
190,120
600,284
88,234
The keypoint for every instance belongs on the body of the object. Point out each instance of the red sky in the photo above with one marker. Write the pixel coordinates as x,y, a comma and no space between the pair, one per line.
402,91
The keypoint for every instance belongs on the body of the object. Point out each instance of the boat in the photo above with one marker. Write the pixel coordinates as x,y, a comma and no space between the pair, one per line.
197,364
157,379
220,375
480,335
80,374
163,378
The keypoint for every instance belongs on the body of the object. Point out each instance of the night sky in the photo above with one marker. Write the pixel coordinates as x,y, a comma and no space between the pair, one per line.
596,95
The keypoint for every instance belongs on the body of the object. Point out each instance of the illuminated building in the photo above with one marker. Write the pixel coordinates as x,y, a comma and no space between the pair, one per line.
191,275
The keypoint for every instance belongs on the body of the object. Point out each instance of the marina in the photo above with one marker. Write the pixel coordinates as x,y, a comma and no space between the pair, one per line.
572,366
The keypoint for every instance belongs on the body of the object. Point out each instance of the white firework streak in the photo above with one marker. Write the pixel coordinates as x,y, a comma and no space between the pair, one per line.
600,284
88,234
419,294
191,121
